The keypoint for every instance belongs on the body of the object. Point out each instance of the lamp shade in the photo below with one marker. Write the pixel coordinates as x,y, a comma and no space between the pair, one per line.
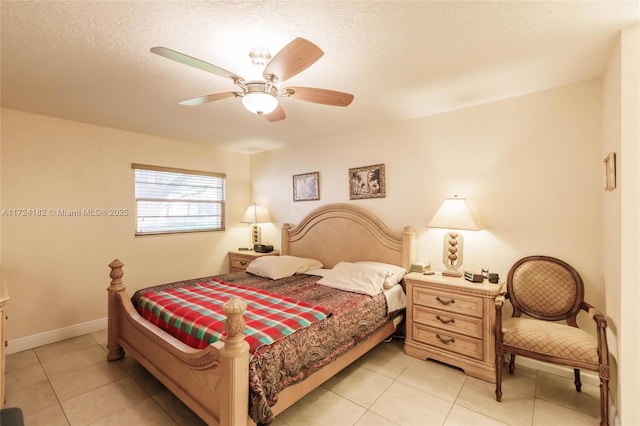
256,214
454,214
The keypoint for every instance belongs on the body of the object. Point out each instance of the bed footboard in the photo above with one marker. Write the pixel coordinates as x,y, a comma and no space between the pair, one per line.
211,381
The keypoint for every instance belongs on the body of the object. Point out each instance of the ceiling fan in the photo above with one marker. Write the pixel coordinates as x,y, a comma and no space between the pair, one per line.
261,96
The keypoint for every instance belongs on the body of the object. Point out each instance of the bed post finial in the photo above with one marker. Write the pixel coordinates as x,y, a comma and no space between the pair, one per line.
116,273
234,326
116,286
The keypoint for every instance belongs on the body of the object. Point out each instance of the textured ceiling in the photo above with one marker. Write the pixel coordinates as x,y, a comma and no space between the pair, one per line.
89,61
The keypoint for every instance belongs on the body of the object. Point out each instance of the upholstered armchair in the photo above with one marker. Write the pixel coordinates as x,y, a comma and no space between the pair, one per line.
547,295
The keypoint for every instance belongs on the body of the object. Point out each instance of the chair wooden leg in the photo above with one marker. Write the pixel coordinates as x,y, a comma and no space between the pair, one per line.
577,382
604,400
499,361
512,364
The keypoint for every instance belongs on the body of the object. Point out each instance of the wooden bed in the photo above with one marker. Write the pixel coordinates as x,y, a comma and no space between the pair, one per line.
213,381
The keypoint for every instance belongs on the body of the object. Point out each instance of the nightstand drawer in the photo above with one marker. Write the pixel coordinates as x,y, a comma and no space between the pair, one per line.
447,321
240,259
451,342
442,300
240,263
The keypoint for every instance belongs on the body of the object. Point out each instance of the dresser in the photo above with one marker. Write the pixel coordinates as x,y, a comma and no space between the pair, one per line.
451,320
240,259
4,297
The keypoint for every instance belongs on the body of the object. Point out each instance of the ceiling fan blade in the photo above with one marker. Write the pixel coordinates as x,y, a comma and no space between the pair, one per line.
277,114
294,58
209,98
196,63
319,96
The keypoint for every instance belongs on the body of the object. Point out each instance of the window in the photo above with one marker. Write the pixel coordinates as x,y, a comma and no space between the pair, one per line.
175,200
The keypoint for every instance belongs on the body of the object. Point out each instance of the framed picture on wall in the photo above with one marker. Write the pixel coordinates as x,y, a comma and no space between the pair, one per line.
610,171
367,182
306,187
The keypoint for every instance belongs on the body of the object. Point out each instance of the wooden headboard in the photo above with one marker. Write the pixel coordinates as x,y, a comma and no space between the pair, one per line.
344,232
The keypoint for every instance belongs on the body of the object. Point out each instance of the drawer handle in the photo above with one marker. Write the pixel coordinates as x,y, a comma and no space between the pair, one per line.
446,341
444,321
445,302
244,262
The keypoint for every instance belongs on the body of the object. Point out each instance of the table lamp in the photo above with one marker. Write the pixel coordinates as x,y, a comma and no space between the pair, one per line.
254,215
453,214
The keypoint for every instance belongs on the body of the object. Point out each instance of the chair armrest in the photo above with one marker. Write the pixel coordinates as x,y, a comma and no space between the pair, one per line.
497,330
603,347
594,313
498,303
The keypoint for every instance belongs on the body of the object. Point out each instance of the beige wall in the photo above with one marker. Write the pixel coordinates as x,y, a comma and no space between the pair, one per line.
621,220
0,197
530,167
627,67
56,267
611,266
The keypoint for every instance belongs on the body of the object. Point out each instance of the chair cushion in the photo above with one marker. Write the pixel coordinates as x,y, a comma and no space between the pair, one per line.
550,338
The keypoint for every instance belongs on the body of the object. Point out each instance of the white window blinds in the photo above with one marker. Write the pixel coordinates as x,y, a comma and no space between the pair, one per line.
175,200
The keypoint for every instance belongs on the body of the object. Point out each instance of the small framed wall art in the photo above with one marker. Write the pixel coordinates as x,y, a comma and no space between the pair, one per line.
306,187
367,182
610,171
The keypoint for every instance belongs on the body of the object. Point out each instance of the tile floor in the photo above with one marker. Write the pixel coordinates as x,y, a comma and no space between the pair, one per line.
71,382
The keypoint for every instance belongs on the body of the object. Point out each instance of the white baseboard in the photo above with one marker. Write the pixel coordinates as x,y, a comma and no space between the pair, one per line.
586,376
30,342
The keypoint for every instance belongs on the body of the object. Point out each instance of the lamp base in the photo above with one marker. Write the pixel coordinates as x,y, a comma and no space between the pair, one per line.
452,274
256,234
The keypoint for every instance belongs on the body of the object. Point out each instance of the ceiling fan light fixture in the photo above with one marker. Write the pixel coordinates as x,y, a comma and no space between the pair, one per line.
260,98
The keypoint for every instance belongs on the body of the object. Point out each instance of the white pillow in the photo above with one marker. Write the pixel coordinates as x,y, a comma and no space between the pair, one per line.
393,273
276,267
355,277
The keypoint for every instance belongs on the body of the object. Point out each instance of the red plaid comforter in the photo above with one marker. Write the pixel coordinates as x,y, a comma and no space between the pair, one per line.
193,313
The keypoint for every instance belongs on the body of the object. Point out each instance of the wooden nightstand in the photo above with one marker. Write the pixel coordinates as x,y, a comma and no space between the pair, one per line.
240,259
451,320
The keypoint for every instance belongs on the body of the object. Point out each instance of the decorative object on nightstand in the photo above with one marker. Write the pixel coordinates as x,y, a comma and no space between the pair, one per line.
240,259
453,214
254,215
474,278
262,248
420,267
451,320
